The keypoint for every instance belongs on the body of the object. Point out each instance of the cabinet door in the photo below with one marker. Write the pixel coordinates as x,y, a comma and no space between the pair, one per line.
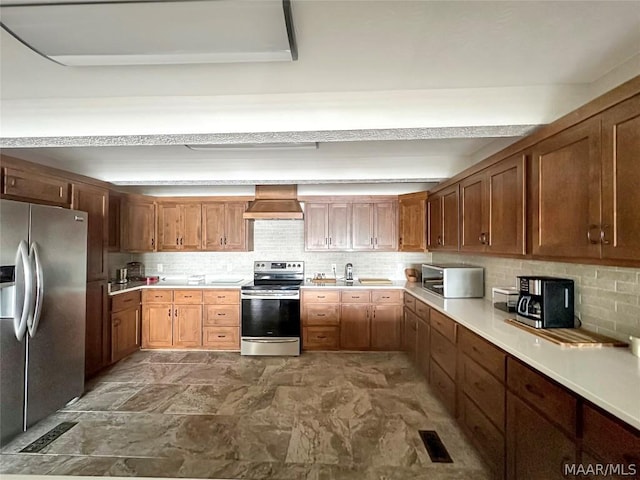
156,325
339,226
30,186
316,226
168,227
125,333
97,329
566,193
187,325
536,449
355,329
474,231
620,180
423,346
362,226
410,334
115,203
235,238
506,207
94,201
385,226
434,222
191,226
412,225
450,224
138,227
213,222
386,327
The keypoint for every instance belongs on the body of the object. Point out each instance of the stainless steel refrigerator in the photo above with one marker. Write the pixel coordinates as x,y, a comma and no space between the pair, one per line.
43,253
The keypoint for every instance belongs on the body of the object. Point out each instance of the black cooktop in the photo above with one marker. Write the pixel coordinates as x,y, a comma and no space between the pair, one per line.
260,285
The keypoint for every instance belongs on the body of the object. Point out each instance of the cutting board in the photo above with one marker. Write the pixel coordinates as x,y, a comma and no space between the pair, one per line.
375,281
570,337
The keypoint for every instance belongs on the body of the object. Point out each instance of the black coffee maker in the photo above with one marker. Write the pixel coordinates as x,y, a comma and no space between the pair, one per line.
546,302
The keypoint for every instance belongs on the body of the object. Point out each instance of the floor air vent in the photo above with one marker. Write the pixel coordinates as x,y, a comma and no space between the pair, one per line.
435,448
48,437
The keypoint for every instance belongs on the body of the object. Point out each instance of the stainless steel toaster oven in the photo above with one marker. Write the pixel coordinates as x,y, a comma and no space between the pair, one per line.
453,280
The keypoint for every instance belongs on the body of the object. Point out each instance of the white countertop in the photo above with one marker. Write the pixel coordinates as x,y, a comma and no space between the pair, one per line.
608,376
356,285
177,283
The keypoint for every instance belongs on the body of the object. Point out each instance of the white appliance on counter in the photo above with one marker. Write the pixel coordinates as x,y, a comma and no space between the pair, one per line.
43,259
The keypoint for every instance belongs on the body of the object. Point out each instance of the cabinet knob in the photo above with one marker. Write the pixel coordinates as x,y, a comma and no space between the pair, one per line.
589,229
12,182
603,240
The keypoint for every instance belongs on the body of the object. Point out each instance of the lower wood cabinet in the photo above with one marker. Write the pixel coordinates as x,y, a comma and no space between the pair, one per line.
125,324
409,333
320,318
355,326
191,319
97,331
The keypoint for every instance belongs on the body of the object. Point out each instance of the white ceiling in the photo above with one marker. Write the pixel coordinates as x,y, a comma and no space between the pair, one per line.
366,64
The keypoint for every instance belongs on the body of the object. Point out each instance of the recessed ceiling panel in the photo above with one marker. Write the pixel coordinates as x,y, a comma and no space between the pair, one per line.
209,31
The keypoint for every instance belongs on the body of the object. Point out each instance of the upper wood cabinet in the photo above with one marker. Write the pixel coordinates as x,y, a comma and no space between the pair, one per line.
412,222
565,193
492,216
179,226
30,186
115,202
442,218
94,201
138,225
374,226
224,229
620,224
347,226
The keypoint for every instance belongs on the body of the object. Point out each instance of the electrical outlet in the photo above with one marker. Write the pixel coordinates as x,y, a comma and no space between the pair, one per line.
159,268
333,267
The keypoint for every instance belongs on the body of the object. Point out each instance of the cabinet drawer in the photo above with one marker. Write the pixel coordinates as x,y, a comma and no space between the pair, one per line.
444,325
386,296
222,338
410,302
443,352
484,435
320,338
608,439
485,390
33,186
123,301
157,296
422,309
484,353
444,387
320,296
360,296
321,314
550,399
187,297
226,315
221,297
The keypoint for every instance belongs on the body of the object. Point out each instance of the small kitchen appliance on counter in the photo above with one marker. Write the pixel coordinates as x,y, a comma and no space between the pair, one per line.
453,280
546,302
135,271
505,298
121,275
271,309
348,273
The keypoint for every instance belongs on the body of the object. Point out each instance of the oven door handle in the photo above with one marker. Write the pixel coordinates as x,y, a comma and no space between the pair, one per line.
293,340
273,296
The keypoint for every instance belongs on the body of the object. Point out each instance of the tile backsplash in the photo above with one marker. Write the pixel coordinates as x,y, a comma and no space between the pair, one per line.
607,298
274,240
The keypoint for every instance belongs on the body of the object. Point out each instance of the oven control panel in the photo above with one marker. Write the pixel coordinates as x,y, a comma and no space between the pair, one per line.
289,266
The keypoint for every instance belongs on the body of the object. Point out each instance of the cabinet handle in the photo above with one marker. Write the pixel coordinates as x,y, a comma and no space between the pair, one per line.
181,241
137,327
591,240
60,194
176,312
169,312
385,297
225,240
221,314
221,336
603,240
439,240
371,240
177,241
376,240
220,240
320,296
222,296
321,336
533,390
12,182
320,315
153,243
325,240
353,296
187,296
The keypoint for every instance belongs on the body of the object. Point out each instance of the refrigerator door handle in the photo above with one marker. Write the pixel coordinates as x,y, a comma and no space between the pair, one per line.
24,289
34,316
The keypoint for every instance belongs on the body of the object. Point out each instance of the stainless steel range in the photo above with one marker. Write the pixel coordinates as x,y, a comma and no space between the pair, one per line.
271,309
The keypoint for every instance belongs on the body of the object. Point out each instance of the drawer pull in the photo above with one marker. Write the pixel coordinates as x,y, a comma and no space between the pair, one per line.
385,297
321,336
222,296
221,314
534,391
353,296
187,296
222,336
321,314
321,296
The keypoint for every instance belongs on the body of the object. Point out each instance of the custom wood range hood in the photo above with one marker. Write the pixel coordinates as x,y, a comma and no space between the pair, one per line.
275,202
